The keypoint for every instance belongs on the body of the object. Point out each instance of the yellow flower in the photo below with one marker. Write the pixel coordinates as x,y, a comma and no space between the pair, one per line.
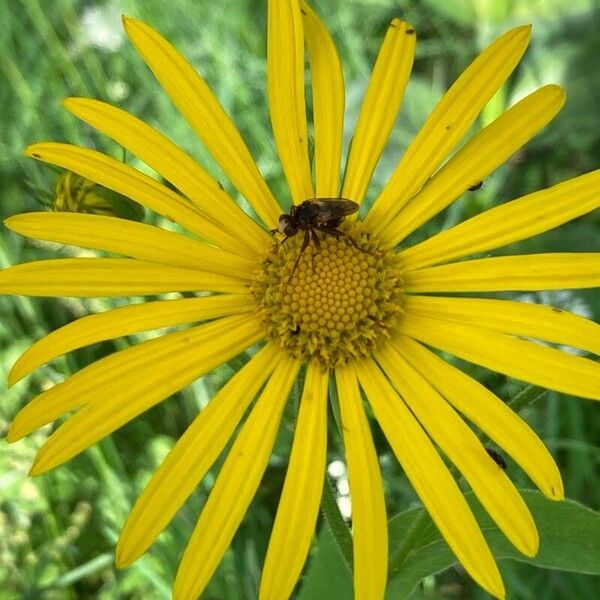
73,193
359,307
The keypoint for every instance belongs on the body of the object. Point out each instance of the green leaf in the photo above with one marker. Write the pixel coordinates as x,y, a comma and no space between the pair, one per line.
123,207
569,541
327,575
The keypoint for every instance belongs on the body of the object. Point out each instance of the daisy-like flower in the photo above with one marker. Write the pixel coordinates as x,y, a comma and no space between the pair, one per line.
361,308
73,193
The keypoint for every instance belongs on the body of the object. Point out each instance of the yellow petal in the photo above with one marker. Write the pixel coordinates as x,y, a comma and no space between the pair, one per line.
89,277
518,318
64,397
476,160
285,58
369,521
448,122
512,356
510,222
489,413
458,442
129,238
328,103
555,271
298,508
431,479
202,110
380,107
235,486
123,321
173,164
119,387
192,456
141,188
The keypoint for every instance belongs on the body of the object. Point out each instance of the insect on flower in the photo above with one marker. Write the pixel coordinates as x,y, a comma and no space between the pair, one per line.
497,458
315,214
377,321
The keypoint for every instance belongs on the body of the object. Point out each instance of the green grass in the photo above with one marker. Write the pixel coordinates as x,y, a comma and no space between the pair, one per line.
57,531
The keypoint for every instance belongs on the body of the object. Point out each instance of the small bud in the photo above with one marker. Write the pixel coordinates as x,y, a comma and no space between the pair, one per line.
74,193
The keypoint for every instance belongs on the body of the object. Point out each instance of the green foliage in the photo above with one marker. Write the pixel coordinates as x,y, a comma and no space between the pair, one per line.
569,541
58,531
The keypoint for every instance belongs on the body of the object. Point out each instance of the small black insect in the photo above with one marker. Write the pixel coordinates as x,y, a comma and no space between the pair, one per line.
497,458
475,186
315,214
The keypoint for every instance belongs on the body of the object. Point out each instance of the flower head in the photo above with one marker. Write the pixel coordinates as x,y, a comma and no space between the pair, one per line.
74,193
343,297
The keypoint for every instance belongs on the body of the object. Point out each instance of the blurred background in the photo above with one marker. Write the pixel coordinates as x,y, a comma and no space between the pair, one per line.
58,531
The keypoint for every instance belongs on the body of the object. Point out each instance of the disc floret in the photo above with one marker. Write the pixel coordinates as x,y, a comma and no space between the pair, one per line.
341,300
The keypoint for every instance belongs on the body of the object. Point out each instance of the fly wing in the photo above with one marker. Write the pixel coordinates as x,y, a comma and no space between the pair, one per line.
332,209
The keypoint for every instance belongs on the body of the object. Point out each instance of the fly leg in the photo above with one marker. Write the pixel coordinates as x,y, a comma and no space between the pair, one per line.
338,234
315,238
305,243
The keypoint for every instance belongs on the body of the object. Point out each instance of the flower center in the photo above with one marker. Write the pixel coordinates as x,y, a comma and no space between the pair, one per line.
337,303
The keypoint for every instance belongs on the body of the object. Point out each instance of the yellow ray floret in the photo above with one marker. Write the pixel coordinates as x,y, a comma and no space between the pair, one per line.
490,483
129,238
90,277
172,163
299,504
379,108
527,272
328,103
369,520
492,146
126,180
510,222
518,318
285,61
202,110
124,321
235,486
448,123
119,387
489,413
506,354
192,456
431,479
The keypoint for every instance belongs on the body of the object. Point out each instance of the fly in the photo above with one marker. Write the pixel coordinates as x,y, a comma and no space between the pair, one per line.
315,214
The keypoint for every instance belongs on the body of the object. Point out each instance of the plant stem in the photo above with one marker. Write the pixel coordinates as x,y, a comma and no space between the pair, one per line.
335,522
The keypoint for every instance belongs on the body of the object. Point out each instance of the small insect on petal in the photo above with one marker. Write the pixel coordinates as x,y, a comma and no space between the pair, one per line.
497,458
